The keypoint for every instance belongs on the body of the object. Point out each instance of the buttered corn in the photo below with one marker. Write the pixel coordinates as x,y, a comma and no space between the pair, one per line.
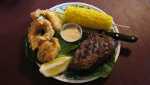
89,18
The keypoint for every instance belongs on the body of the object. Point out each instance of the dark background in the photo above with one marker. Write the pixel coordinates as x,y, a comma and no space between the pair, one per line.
132,67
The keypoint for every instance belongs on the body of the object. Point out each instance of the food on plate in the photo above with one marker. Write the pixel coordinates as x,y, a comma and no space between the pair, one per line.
55,67
39,31
61,16
89,18
71,32
37,13
49,15
55,20
92,51
48,50
52,37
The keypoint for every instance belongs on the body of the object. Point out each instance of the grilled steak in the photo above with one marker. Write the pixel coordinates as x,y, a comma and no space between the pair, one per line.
92,51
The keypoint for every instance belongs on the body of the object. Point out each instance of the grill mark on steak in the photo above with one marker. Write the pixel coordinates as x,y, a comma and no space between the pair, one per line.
92,51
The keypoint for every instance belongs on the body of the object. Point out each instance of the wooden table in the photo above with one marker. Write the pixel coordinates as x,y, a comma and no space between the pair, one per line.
132,68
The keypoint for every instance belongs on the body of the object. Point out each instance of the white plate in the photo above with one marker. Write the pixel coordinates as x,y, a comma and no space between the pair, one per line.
62,77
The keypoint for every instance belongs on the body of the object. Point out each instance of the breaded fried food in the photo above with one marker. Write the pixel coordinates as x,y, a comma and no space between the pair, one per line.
48,50
49,15
39,31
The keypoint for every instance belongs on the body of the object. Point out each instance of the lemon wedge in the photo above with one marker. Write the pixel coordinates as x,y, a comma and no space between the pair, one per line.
55,66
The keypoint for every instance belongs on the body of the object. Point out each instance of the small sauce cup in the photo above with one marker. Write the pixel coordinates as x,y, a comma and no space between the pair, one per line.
71,32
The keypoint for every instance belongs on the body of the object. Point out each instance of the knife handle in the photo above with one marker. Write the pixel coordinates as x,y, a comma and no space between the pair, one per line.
122,37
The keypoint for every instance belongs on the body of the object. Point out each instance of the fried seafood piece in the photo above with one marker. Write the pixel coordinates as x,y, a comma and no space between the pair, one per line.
48,50
92,51
39,31
49,15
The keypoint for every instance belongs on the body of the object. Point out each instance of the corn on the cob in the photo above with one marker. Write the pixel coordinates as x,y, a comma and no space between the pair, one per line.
89,18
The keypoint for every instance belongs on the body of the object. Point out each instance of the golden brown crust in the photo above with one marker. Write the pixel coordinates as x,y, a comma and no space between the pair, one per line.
34,37
48,50
47,46
50,16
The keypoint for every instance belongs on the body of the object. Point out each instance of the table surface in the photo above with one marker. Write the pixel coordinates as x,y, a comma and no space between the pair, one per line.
132,67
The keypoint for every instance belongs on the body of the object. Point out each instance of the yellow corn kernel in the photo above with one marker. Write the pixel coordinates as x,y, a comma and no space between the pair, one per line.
89,18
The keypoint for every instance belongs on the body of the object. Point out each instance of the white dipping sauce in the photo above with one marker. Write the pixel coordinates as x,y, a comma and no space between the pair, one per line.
71,34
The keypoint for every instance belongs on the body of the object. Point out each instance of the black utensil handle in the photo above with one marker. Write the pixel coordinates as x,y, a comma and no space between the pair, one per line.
122,37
